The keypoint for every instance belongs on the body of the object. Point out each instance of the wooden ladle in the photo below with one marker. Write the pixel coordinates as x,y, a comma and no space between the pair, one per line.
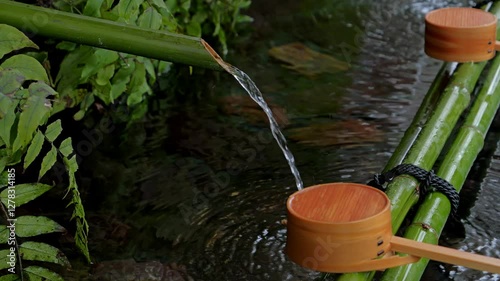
461,34
346,227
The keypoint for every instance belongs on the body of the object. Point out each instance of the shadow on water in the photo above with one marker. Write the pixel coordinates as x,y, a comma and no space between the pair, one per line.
206,186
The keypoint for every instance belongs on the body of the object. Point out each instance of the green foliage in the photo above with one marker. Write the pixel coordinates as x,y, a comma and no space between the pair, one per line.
26,104
36,251
87,76
28,66
36,273
203,17
87,73
29,226
25,192
109,75
11,41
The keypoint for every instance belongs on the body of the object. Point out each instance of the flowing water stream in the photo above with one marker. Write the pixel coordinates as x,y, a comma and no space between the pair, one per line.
256,95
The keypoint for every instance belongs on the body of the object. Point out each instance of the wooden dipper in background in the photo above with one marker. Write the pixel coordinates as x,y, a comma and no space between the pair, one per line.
461,34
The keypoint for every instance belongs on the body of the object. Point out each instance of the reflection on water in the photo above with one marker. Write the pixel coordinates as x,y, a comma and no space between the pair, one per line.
215,190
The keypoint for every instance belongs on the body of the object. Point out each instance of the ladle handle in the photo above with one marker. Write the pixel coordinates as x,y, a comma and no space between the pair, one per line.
497,45
446,255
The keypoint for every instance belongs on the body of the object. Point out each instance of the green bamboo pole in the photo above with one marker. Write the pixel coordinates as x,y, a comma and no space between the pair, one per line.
107,34
402,191
423,114
426,148
469,142
421,117
455,98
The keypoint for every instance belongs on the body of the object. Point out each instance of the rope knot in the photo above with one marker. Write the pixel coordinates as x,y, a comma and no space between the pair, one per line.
429,181
426,185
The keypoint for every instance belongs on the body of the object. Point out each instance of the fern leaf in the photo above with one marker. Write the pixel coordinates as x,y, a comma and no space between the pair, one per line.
28,226
34,149
82,227
48,161
34,112
5,258
37,273
24,193
53,130
66,148
36,251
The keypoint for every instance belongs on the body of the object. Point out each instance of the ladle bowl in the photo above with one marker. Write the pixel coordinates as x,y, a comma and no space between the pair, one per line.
461,34
346,227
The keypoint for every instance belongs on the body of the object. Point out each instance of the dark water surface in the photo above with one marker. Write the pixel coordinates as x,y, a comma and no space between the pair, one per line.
214,190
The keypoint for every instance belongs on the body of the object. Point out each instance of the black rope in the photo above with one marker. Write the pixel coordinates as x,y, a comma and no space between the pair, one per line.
428,182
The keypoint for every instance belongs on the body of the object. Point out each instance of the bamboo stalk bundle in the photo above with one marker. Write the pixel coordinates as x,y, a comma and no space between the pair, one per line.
428,144
423,114
427,147
107,34
456,165
421,117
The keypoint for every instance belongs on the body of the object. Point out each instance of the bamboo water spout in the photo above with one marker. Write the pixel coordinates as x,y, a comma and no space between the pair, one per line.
107,34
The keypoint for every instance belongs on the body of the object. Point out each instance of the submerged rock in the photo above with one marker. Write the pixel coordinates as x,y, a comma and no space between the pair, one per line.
130,270
307,61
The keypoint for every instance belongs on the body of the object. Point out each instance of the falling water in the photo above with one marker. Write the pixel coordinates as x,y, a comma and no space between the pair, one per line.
256,95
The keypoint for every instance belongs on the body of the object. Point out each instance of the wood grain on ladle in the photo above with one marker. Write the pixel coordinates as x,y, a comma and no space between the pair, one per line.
463,17
340,203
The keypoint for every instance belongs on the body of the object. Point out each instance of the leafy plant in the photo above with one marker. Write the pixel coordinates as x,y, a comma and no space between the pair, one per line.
26,104
87,73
